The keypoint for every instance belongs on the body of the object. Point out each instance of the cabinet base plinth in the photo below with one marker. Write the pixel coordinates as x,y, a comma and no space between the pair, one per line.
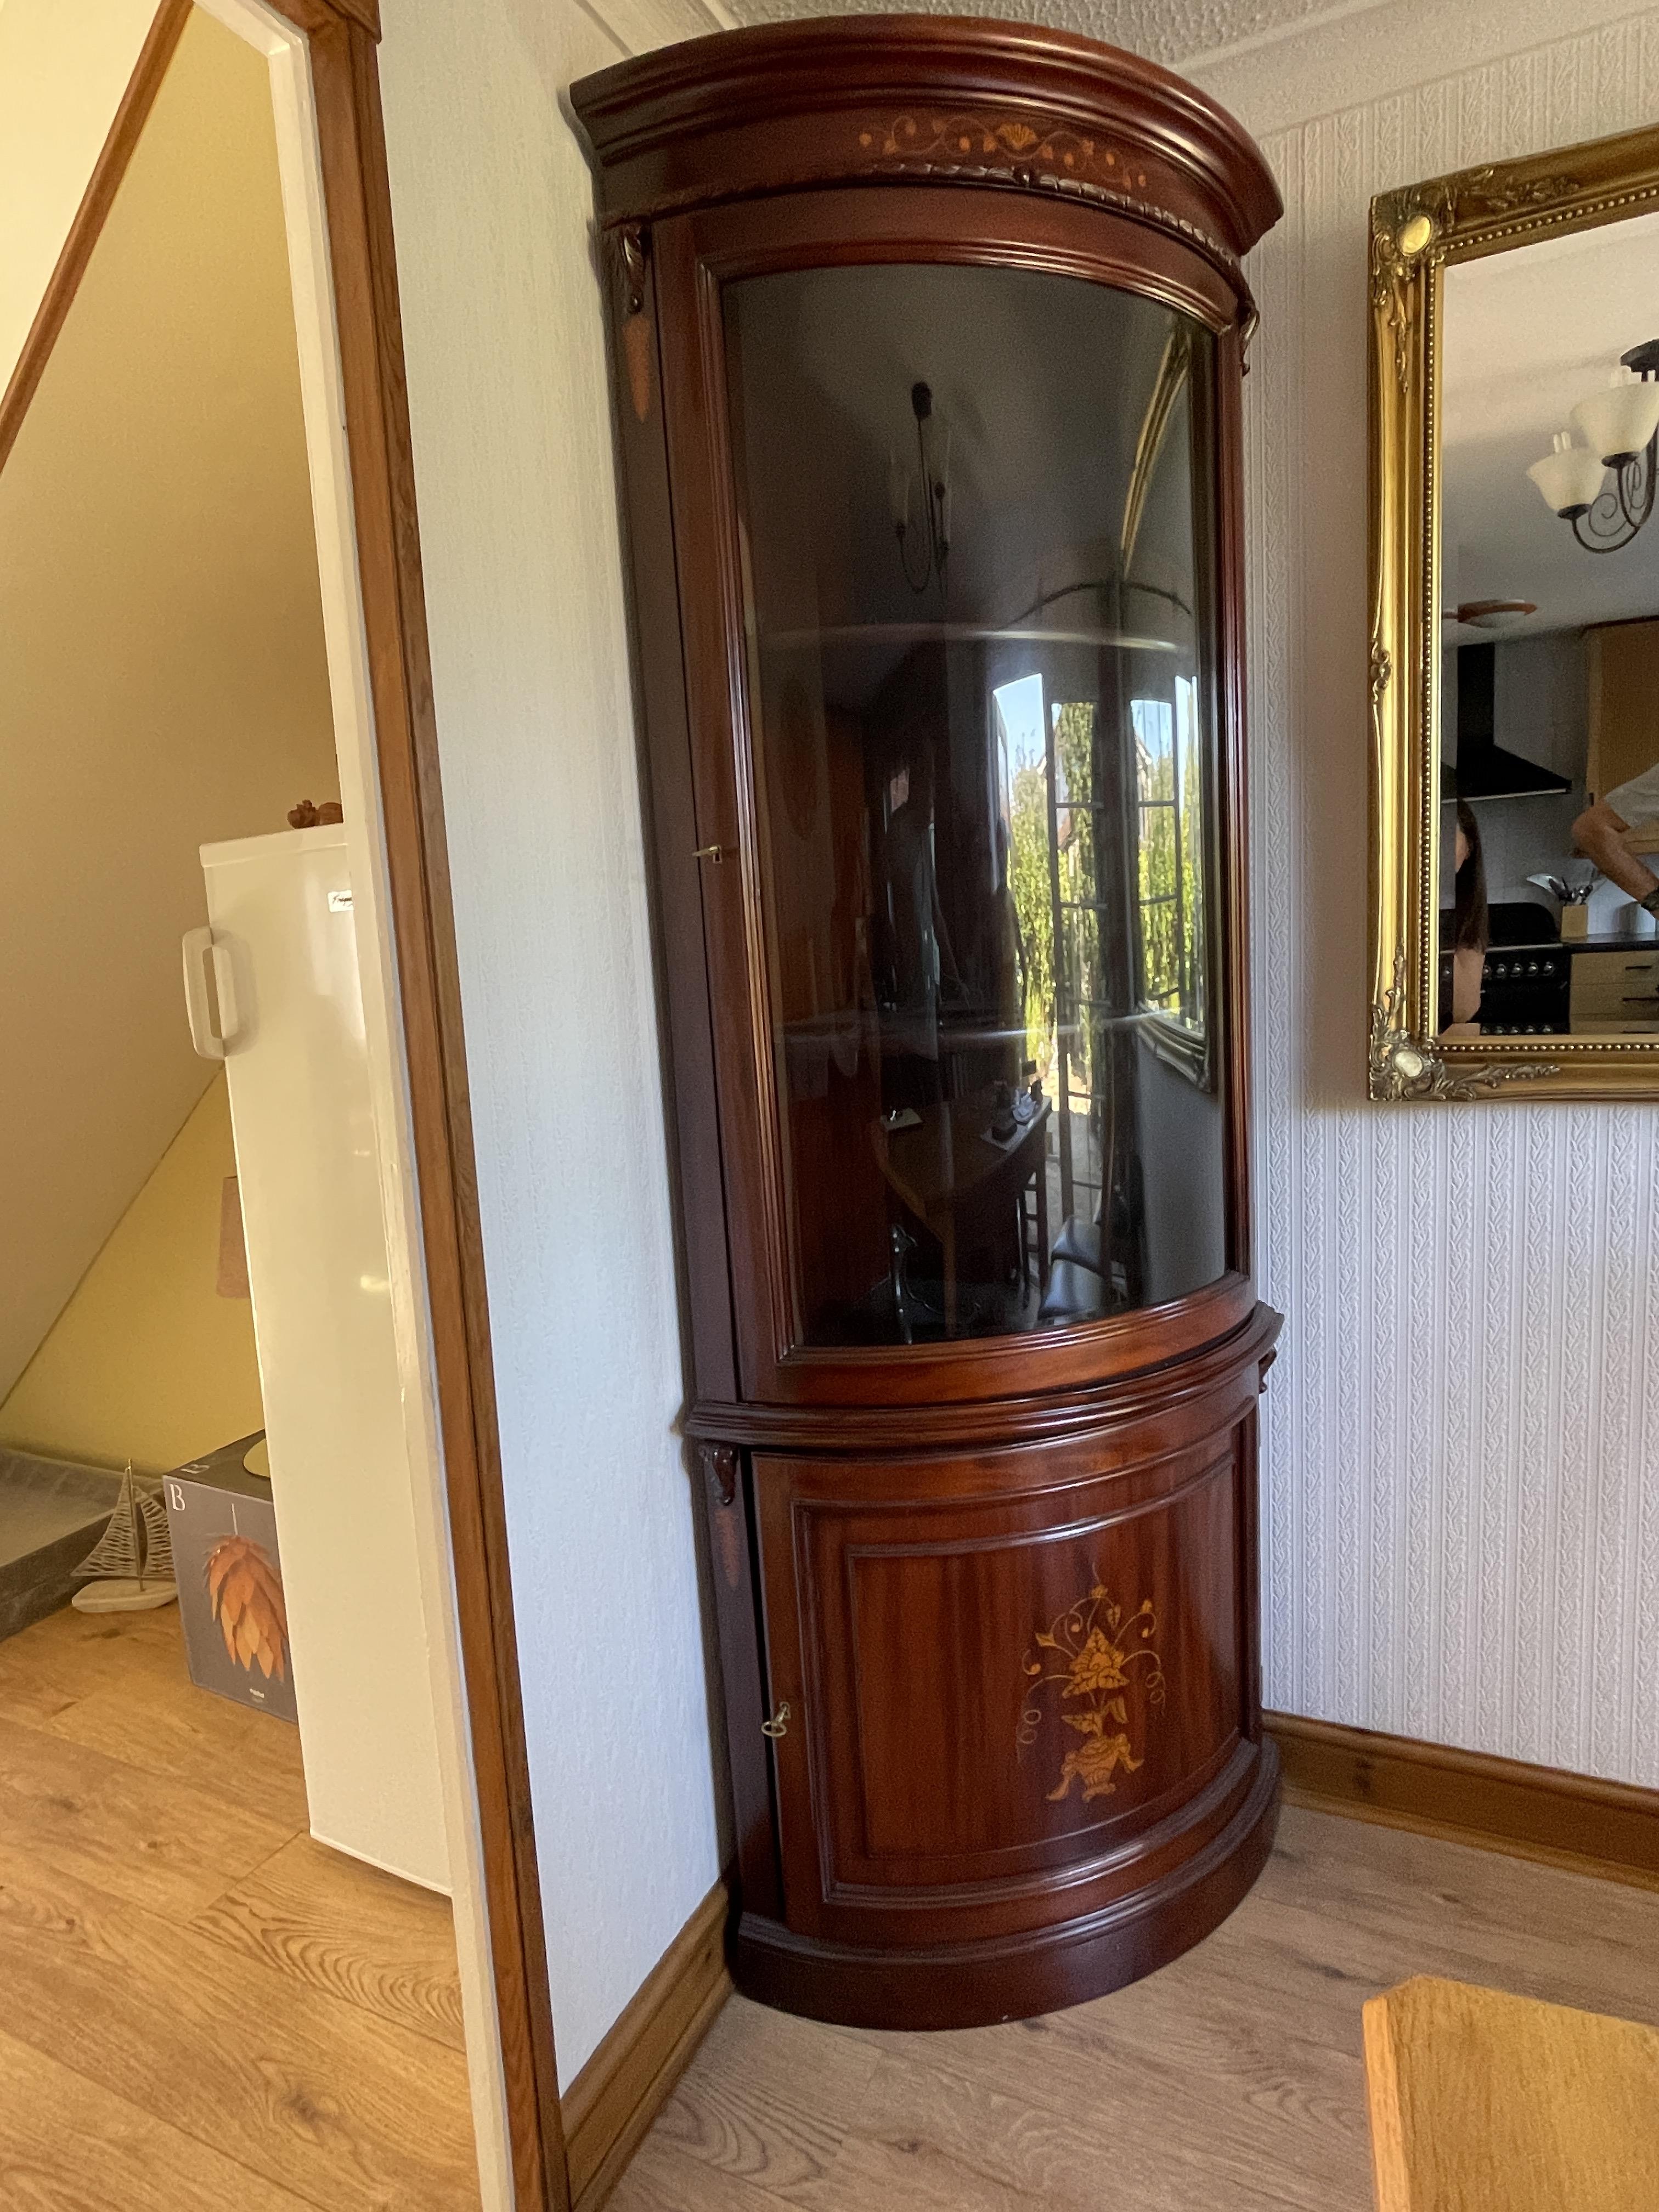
977,1984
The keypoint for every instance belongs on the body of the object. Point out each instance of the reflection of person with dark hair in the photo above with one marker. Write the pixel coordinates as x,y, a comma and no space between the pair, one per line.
1601,834
1471,923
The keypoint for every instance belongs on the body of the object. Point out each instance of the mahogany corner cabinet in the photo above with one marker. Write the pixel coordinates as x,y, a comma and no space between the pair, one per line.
929,337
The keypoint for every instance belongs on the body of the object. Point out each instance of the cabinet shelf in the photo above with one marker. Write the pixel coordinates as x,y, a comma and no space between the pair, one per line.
944,633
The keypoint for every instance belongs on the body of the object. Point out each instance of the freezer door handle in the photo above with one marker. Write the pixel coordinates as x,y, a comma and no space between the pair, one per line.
200,947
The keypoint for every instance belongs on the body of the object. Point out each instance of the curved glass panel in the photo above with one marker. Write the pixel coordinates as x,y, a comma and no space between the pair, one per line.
976,515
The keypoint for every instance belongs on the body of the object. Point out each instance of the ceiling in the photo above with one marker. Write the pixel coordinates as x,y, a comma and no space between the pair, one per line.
1169,31
1525,335
1022,367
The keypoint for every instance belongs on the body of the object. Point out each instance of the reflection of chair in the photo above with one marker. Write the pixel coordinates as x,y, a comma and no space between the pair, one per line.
1079,1241
1075,1293
1084,1283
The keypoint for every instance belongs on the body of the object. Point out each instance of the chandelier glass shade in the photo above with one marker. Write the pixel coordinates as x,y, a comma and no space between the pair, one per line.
1604,488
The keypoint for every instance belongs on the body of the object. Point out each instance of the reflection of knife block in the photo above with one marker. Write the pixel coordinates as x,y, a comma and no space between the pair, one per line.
1574,922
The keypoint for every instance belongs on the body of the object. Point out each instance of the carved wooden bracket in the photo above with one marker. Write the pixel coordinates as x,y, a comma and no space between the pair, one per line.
719,1464
631,247
632,244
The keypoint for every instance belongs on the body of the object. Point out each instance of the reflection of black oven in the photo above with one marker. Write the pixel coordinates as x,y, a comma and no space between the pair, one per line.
1526,991
1526,986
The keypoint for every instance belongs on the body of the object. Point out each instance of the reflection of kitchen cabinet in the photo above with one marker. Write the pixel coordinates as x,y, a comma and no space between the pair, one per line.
1623,702
1616,992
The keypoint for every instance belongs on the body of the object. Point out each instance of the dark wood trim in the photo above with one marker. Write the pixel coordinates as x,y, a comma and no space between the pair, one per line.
1610,1829
832,100
624,2085
357,194
1231,708
153,55
1098,1410
728,1502
1017,1976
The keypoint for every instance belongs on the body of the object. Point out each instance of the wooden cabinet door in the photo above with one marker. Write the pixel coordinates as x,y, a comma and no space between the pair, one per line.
1624,703
1012,1676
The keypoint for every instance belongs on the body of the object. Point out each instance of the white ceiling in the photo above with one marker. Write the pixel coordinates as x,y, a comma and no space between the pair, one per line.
1021,365
1527,334
1167,31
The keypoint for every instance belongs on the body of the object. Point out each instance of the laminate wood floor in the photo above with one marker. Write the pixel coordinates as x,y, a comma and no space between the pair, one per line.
199,2007
1232,2081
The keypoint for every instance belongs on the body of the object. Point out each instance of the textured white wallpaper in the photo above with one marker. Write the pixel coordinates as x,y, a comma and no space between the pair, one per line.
1462,1493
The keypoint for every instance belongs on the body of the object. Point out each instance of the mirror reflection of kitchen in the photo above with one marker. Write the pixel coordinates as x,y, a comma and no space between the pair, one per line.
1549,722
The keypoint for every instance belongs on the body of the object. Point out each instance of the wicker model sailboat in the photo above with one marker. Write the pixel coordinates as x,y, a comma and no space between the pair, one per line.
132,1560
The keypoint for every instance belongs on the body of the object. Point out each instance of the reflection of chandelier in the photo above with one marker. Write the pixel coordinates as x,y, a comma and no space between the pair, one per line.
1620,427
933,453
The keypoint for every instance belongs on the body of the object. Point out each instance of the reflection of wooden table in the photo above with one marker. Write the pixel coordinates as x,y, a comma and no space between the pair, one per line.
953,1176
1485,2102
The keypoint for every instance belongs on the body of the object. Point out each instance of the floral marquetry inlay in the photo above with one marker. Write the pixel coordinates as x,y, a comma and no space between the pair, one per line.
962,138
1088,1654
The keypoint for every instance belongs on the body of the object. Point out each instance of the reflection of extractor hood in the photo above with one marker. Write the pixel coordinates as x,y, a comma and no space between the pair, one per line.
1484,771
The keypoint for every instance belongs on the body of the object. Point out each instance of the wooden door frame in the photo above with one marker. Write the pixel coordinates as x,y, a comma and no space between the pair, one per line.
341,36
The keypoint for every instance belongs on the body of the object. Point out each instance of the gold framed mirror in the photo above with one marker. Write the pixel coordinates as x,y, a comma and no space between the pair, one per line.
1515,628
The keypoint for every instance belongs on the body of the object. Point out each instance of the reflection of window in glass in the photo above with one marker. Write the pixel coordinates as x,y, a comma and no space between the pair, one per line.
1168,883
1023,806
1088,926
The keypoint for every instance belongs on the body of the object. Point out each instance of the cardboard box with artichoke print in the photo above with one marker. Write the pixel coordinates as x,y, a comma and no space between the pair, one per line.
224,1528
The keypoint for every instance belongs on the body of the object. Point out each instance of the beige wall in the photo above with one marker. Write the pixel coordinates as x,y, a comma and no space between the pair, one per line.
64,67
160,632
147,1362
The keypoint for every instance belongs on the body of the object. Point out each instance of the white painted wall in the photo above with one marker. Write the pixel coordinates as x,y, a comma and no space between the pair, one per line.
509,400
1462,1533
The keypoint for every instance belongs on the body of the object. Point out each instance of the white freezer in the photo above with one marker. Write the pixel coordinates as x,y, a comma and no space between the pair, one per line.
281,953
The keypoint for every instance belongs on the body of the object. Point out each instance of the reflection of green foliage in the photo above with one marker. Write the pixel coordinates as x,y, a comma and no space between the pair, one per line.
1028,877
1169,861
1074,752
1169,847
1075,865
1079,876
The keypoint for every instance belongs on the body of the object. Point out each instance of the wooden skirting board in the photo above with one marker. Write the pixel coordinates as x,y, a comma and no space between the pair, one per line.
623,2086
1573,1821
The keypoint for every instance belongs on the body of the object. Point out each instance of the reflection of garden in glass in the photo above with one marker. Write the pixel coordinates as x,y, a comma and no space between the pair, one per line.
1018,710
1055,864
1170,872
982,795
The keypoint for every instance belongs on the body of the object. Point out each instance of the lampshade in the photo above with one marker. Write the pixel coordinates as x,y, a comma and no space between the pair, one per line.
1618,422
1492,614
1570,479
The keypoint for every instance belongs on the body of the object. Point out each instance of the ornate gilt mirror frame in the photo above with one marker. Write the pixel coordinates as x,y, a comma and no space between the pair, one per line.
1416,232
